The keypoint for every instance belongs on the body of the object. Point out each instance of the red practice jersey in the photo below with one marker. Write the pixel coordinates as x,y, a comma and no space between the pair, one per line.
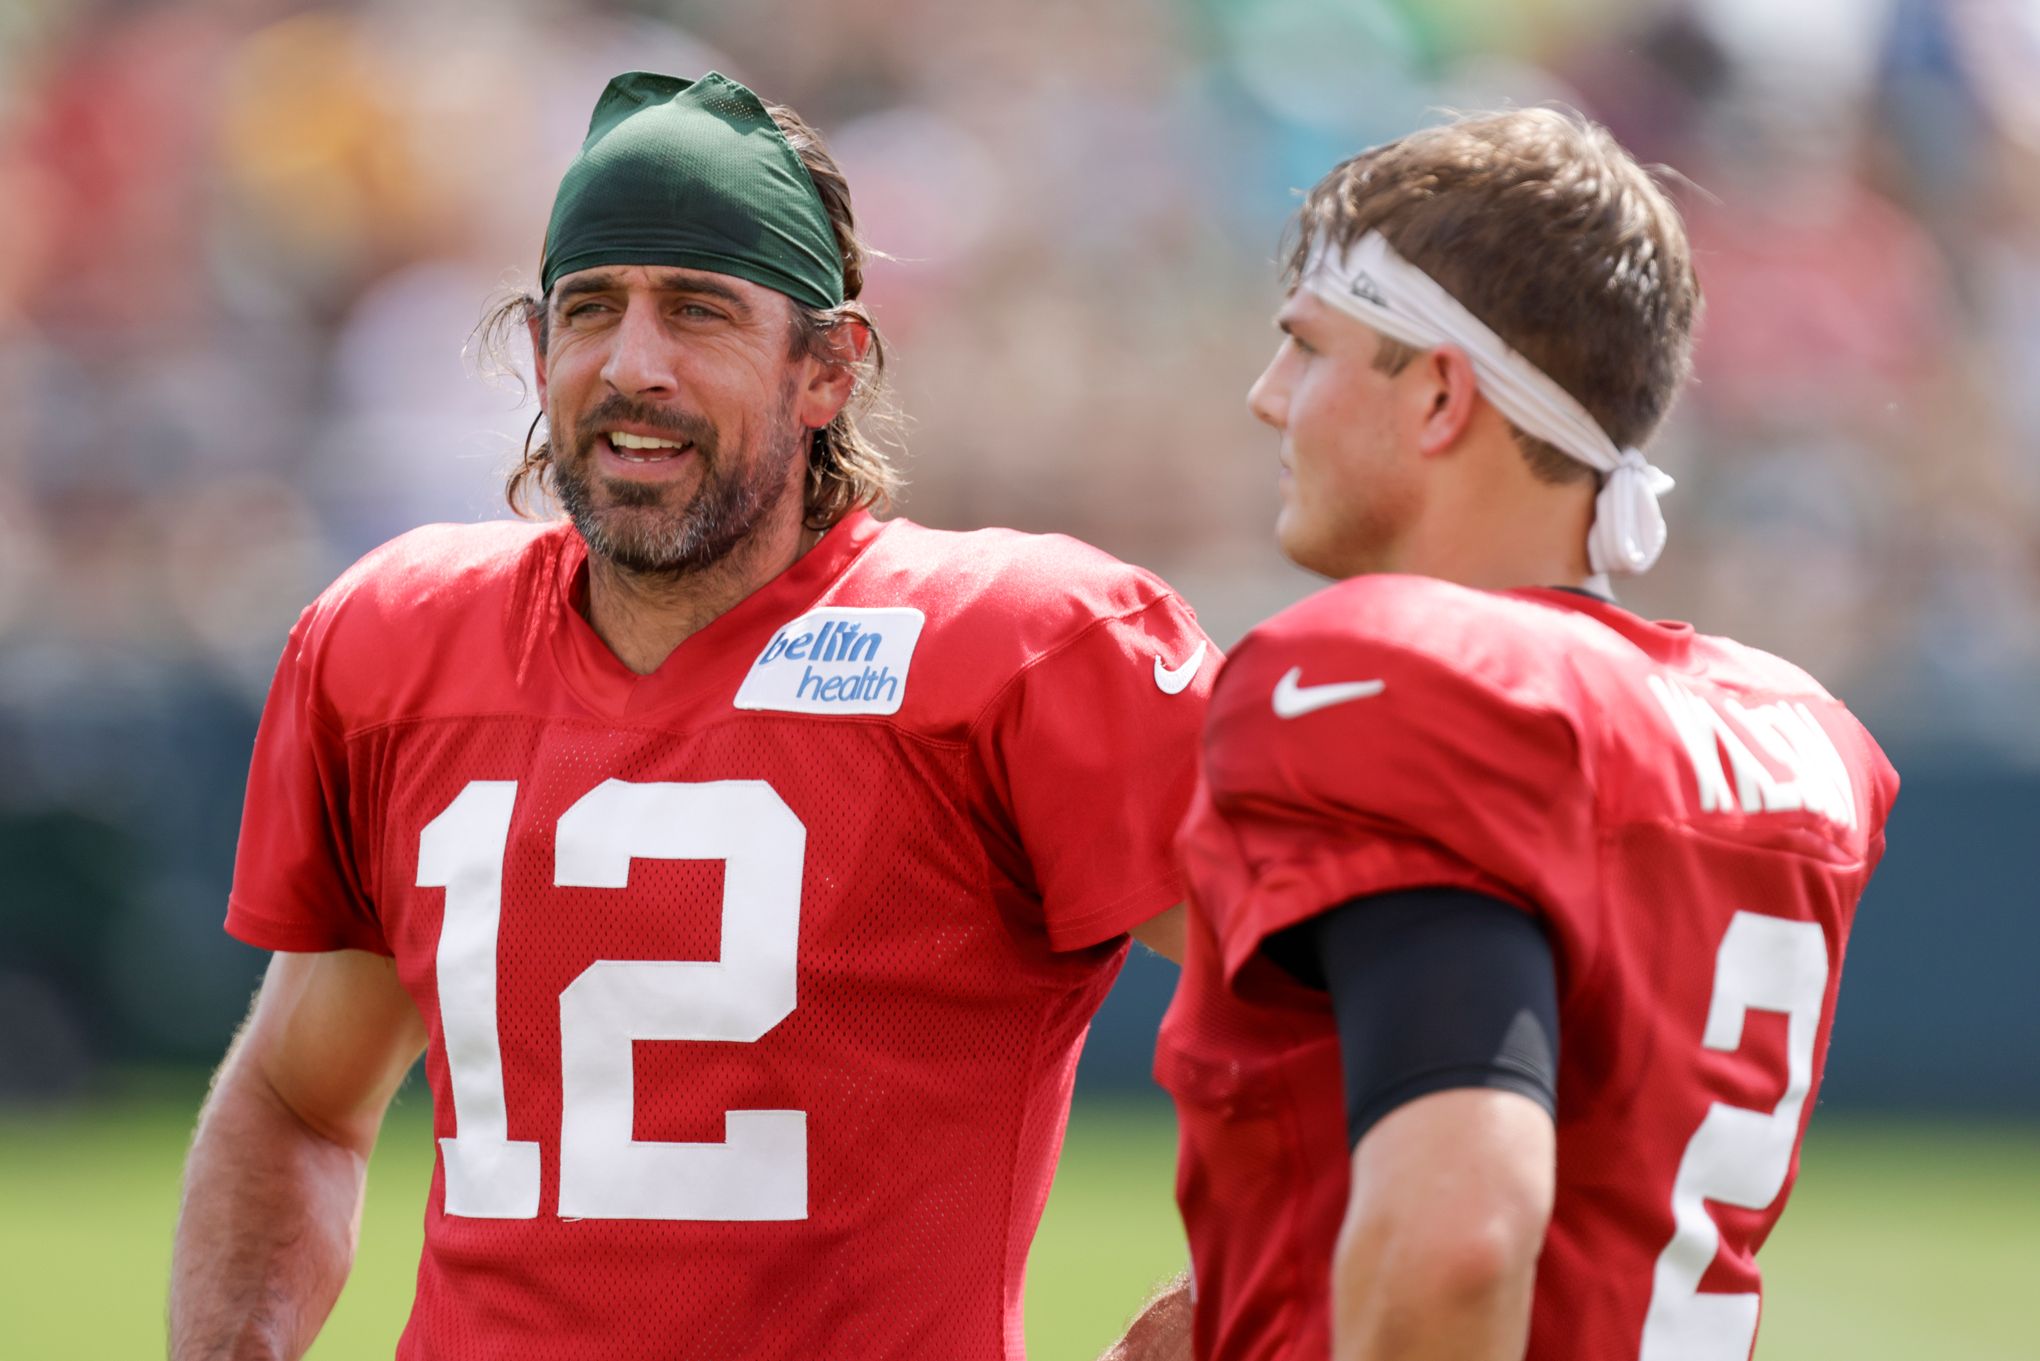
1692,821
754,986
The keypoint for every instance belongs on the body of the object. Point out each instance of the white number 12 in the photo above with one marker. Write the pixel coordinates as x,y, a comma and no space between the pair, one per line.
1737,1156
759,1170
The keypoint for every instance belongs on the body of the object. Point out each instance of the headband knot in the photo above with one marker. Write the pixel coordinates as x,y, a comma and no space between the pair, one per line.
1371,283
1629,525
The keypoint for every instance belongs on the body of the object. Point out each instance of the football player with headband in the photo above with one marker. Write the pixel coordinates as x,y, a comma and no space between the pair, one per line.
1517,918
746,868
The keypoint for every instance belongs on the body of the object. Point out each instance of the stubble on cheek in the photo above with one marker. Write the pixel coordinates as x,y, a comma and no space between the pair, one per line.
673,528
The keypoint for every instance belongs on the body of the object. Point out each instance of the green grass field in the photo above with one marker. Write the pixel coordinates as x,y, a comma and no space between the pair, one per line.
1902,1241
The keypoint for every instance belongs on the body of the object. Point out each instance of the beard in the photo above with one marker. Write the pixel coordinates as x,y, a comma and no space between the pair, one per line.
638,527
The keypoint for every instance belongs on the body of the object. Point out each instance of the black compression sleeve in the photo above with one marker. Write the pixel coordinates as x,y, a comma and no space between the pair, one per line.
1433,989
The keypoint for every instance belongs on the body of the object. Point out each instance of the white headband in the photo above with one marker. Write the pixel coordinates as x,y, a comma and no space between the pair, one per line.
1373,284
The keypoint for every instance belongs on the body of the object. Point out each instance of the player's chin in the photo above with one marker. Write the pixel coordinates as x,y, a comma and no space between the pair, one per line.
643,523
1291,533
1304,544
668,495
644,541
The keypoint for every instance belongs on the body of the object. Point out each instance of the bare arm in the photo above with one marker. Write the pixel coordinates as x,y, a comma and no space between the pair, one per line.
1161,1331
273,1186
1163,933
1437,1257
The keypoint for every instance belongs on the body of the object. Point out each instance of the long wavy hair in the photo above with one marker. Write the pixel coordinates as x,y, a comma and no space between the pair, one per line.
847,466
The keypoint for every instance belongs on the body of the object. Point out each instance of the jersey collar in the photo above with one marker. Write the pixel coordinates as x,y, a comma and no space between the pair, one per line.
1668,640
711,661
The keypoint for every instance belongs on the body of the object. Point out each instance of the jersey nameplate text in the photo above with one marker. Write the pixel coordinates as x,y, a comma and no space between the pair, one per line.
842,660
1809,773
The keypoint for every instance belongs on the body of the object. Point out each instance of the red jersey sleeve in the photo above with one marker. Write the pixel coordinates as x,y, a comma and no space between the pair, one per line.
1341,763
297,883
1093,749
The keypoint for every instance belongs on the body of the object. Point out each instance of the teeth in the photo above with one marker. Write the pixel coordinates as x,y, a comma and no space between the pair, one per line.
623,439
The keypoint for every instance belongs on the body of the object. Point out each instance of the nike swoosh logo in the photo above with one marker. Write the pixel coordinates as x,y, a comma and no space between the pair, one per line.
1177,681
1294,701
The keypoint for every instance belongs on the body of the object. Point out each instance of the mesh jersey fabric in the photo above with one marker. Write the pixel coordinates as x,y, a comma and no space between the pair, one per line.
966,869
1523,745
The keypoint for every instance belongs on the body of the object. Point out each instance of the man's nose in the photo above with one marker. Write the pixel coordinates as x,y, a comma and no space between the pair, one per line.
1268,398
641,355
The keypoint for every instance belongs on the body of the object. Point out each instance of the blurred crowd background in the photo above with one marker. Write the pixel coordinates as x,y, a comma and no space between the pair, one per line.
244,243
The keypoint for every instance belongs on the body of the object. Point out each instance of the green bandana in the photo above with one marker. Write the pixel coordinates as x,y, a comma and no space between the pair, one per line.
693,174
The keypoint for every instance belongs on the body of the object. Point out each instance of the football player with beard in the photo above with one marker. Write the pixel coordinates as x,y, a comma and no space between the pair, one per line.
746,868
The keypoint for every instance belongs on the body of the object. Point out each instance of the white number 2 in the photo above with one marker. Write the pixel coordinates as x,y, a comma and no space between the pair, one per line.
1737,1156
759,1170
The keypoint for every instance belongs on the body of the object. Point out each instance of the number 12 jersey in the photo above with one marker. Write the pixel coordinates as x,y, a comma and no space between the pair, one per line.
755,986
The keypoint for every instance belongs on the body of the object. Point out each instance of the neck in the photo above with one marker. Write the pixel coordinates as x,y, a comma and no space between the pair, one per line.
643,617
1497,567
1503,529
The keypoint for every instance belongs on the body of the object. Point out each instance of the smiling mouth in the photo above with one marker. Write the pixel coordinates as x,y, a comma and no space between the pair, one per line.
645,448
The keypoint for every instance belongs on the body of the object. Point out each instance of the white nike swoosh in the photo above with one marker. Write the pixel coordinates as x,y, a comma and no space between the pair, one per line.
1294,701
1177,681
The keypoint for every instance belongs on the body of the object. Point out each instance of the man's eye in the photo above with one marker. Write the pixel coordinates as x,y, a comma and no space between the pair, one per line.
695,311
585,309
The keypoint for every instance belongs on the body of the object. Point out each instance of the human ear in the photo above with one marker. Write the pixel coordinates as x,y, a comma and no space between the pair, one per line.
833,380
1449,388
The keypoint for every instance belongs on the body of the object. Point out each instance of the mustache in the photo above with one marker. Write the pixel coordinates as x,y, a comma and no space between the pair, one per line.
617,409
